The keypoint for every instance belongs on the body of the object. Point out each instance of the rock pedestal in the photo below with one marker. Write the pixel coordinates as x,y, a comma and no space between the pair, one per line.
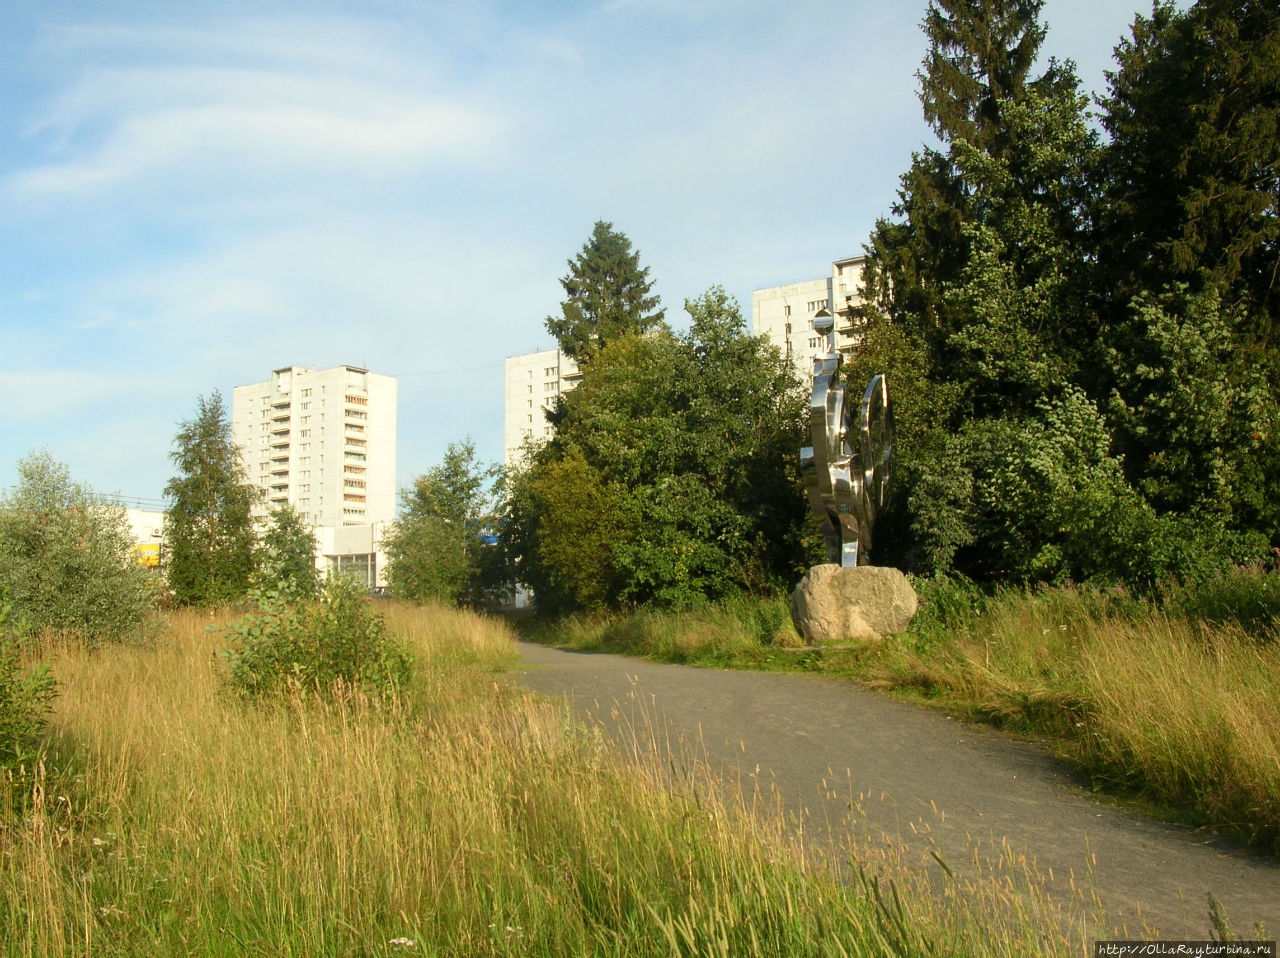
833,603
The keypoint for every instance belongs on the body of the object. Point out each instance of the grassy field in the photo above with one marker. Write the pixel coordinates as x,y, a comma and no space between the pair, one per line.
1170,701
463,817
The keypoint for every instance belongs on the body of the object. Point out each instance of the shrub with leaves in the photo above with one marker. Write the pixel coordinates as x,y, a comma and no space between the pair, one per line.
66,558
294,642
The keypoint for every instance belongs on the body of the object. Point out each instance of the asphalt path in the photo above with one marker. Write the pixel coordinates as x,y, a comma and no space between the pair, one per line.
923,782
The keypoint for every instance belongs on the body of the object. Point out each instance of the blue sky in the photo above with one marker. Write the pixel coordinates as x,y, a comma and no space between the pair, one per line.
196,193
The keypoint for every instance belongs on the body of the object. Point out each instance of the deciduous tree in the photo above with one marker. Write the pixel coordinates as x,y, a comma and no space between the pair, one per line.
672,477
66,558
209,533
288,553
436,549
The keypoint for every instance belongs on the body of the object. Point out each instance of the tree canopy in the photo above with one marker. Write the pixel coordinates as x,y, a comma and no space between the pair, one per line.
209,533
1078,330
66,558
436,548
287,556
607,295
672,477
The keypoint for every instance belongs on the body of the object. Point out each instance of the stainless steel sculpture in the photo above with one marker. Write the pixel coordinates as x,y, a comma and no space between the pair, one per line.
846,470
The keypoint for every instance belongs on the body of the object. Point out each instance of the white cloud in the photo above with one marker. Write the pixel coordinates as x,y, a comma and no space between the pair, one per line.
256,123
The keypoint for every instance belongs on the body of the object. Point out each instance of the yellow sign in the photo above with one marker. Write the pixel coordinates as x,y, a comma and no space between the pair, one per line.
147,554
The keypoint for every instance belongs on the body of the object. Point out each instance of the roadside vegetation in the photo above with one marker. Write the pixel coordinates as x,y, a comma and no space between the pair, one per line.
457,816
1169,699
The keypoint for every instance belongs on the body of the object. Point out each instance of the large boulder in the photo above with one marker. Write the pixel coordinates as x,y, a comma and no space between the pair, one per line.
833,603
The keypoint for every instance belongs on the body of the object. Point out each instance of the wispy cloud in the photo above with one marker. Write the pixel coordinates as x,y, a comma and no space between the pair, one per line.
197,193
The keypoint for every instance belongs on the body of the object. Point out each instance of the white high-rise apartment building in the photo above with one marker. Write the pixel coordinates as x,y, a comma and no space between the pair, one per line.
323,441
785,313
533,382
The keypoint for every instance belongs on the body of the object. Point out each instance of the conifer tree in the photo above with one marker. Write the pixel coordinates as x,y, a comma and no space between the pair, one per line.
975,86
1189,259
1193,166
608,294
209,534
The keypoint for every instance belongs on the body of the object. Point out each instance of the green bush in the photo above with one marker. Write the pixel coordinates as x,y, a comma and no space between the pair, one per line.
1249,596
294,642
66,558
24,701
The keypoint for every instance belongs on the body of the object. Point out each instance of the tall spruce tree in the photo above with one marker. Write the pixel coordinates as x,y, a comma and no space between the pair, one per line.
1193,165
977,71
977,302
608,294
209,534
1189,260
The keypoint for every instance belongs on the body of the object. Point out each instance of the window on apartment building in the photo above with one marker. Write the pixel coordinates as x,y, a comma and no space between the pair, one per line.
531,388
306,406
306,393
786,310
813,344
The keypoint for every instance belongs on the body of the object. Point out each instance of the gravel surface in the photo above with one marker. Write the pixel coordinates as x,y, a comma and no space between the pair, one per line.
923,781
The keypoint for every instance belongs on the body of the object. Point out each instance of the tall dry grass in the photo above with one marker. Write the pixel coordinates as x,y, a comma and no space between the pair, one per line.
463,818
1181,710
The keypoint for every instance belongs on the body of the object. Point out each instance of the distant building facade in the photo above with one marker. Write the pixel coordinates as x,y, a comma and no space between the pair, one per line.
785,313
324,442
533,382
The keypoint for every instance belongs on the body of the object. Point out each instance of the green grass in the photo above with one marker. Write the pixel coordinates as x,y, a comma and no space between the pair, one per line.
463,817
1169,701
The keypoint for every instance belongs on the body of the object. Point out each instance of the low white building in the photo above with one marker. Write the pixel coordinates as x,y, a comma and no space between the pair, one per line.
147,528
354,551
785,313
